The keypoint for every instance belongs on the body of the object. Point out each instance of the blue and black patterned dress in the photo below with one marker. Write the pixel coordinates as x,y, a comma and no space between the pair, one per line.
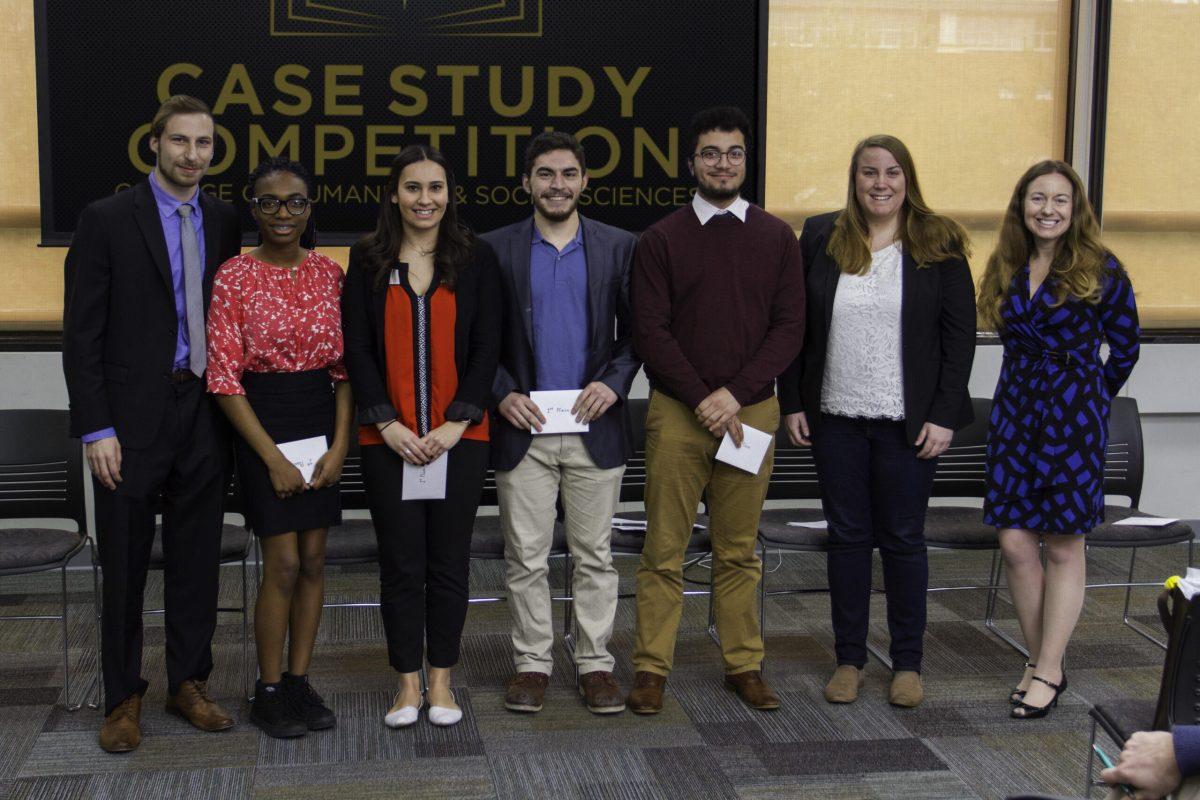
1049,423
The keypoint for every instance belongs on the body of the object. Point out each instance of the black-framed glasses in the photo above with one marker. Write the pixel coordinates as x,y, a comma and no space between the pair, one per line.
270,205
711,156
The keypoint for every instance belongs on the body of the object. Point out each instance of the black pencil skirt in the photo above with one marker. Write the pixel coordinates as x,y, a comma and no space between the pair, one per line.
290,406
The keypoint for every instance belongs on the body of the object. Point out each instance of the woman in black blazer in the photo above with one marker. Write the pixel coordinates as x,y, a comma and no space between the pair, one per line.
878,390
421,312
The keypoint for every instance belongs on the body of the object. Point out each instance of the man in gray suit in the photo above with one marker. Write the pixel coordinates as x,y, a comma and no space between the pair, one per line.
567,326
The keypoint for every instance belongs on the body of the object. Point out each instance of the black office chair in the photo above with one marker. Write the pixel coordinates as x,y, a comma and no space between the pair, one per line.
1124,468
41,477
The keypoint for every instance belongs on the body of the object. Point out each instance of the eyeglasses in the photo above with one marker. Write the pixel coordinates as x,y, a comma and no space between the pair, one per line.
270,205
711,156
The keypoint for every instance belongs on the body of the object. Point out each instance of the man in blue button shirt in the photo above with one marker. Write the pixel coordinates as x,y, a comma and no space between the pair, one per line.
566,327
138,280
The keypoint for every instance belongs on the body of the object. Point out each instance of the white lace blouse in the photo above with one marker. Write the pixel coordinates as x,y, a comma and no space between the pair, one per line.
862,360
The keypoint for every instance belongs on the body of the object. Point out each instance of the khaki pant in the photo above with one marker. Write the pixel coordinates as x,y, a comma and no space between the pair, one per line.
680,466
554,464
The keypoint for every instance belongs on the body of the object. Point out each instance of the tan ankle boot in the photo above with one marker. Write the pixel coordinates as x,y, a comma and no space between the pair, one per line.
906,691
844,685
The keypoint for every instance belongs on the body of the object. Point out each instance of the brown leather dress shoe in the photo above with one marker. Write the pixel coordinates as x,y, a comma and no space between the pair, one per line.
600,693
526,691
121,731
753,690
647,694
193,704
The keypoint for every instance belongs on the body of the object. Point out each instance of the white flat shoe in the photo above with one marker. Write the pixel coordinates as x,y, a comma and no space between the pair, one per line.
404,716
443,716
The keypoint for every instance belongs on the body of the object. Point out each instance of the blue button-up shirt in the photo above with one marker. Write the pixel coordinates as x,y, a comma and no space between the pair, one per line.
168,210
558,284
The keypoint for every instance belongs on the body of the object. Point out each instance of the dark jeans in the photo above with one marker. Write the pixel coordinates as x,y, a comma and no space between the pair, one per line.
874,491
424,554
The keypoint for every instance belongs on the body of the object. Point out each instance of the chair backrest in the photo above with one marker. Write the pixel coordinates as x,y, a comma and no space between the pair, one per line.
1177,703
794,475
962,469
633,482
41,467
1124,462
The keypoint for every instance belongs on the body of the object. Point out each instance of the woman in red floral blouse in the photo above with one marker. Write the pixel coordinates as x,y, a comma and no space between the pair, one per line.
275,363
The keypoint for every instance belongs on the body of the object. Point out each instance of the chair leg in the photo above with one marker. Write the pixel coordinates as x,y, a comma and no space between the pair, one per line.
762,592
1140,630
1087,780
712,615
96,606
989,621
66,651
247,684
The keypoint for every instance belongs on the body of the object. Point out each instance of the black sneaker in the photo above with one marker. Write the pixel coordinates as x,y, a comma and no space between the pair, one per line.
272,712
306,703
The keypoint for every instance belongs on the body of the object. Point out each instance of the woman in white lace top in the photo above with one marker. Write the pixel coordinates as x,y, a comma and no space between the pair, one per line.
878,390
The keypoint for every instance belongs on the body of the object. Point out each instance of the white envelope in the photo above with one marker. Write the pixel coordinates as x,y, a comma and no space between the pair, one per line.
427,482
1146,522
304,453
556,408
750,455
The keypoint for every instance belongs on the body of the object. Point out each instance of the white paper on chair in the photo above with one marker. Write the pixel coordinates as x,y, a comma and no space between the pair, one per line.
427,482
556,408
818,524
750,455
1146,522
304,454
628,524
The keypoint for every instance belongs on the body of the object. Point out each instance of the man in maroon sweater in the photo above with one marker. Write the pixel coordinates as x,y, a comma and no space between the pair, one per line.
718,307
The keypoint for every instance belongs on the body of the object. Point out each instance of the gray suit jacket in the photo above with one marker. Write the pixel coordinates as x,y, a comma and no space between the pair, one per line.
610,358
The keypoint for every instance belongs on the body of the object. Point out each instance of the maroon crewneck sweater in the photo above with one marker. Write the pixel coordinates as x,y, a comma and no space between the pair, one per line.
717,305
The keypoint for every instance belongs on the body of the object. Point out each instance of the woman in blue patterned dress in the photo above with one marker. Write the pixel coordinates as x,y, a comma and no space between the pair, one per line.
1054,293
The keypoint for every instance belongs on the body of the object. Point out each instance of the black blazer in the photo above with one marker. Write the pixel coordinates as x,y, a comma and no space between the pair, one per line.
119,323
610,360
476,336
937,336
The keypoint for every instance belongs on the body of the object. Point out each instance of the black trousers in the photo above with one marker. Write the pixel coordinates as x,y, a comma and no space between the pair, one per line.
424,554
874,492
185,465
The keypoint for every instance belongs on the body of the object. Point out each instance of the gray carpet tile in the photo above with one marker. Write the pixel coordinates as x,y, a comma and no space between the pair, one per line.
959,744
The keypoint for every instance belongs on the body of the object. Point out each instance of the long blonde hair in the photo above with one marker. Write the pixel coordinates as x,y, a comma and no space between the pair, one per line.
1077,269
927,236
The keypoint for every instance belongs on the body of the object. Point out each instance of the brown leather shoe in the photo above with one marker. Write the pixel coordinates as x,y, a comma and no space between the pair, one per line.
121,731
906,691
193,704
753,690
600,693
526,691
647,694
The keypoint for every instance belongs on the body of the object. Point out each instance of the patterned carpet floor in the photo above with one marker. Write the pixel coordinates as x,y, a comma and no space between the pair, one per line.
706,744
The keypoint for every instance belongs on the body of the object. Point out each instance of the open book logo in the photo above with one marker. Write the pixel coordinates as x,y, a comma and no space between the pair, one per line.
512,18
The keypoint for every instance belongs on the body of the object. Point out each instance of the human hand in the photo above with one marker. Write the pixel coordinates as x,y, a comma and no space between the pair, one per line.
443,437
286,479
521,412
715,411
734,429
933,440
1148,764
328,469
593,401
405,444
104,460
797,428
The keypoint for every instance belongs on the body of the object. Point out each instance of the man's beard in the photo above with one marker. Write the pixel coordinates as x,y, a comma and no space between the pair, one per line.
718,192
557,216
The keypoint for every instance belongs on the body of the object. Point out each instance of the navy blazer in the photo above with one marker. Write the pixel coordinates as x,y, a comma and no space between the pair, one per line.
610,358
119,322
937,336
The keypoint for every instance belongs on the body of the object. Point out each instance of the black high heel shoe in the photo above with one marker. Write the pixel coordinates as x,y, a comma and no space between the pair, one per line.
1018,694
1037,712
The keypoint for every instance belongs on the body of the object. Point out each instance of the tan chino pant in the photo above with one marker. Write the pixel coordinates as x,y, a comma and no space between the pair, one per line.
680,465
528,493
